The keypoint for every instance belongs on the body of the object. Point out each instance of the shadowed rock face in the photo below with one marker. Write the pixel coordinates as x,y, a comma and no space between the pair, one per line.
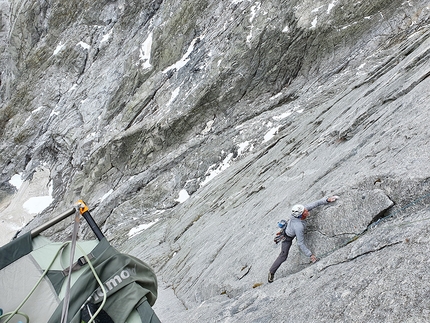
246,108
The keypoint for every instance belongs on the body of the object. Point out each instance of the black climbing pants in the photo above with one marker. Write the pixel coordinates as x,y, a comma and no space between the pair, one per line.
285,248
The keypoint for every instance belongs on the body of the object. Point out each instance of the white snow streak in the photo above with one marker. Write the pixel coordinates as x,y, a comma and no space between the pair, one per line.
242,147
145,52
37,109
254,10
314,22
212,172
106,37
286,29
59,48
331,6
106,195
37,204
270,134
185,59
83,45
16,180
175,93
183,196
317,9
283,115
208,127
141,228
54,113
276,96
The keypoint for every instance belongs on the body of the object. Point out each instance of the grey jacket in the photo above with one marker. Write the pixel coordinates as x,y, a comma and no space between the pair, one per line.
296,227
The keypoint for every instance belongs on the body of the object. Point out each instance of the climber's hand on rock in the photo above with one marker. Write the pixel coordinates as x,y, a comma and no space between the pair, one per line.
332,198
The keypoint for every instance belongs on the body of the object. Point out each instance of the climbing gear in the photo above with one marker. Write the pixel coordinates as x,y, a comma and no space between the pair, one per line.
271,278
297,210
282,224
83,209
280,236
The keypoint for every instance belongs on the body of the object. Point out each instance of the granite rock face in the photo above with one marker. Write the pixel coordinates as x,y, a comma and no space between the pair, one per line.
191,127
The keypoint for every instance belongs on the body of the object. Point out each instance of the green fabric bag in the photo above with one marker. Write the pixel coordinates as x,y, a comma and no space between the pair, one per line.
131,285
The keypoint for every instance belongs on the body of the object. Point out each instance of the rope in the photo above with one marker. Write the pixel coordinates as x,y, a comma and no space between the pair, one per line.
27,319
96,276
66,300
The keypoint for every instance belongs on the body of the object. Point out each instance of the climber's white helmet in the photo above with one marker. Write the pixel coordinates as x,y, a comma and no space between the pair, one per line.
297,210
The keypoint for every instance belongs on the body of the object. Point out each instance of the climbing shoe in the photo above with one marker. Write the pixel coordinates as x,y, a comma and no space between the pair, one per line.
271,278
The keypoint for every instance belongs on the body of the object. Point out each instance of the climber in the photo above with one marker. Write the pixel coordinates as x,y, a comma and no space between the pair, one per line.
294,228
